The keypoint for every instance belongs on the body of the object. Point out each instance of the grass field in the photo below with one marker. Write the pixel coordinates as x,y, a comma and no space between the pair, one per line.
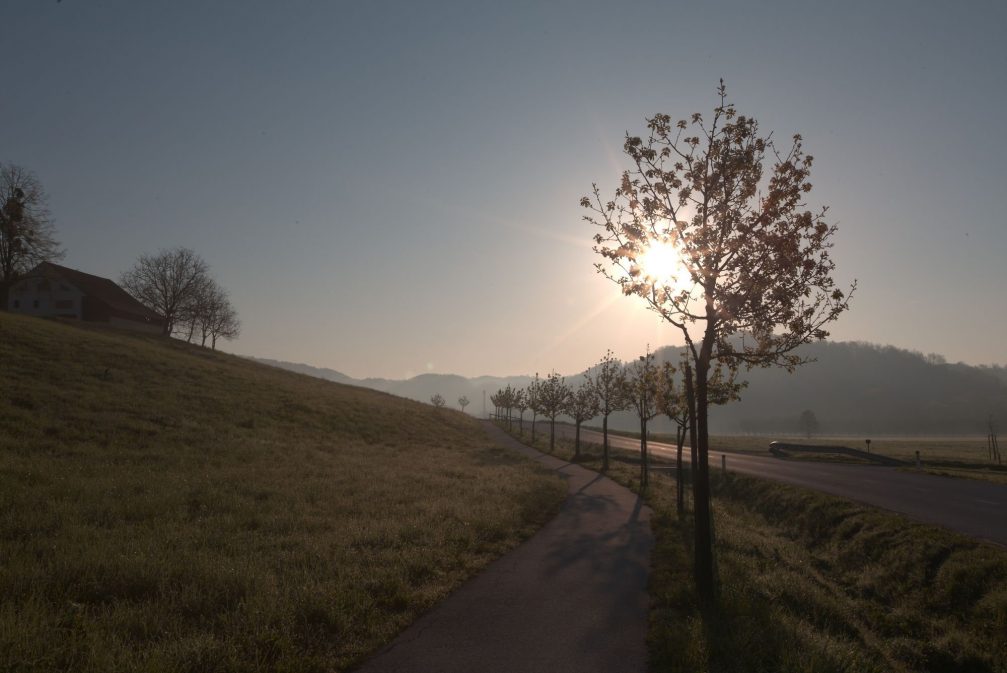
813,583
168,508
962,457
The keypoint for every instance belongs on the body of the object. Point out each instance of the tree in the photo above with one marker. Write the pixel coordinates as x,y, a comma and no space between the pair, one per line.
581,405
167,282
532,395
643,390
992,442
208,313
27,234
437,400
552,399
808,423
754,276
609,385
675,402
463,402
221,321
508,397
521,404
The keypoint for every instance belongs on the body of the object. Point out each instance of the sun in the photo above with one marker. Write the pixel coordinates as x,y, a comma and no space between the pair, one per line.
661,264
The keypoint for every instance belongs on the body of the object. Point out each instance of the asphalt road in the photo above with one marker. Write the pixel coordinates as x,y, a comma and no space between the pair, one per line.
975,508
573,598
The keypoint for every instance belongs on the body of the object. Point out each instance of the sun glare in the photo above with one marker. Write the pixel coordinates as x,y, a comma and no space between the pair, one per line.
662,265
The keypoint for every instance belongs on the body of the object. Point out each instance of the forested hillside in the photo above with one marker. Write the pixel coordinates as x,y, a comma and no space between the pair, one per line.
851,387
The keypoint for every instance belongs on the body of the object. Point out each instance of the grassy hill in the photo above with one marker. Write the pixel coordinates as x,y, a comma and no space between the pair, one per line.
168,508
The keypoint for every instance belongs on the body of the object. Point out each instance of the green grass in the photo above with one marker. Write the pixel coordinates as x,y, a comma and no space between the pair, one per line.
811,582
168,508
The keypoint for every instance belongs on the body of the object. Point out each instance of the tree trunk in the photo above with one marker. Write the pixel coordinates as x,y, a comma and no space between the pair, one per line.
643,451
520,423
604,451
534,418
690,400
552,433
576,443
680,441
701,487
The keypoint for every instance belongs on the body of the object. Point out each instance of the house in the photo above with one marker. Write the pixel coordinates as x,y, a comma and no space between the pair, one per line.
55,291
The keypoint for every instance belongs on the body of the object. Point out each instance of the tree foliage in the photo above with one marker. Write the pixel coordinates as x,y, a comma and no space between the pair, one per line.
437,400
609,385
755,278
533,396
643,390
582,405
553,394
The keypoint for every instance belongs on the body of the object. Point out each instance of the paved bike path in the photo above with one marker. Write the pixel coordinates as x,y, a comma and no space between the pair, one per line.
572,598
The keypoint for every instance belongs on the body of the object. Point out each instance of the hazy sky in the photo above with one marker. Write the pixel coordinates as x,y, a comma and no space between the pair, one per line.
392,188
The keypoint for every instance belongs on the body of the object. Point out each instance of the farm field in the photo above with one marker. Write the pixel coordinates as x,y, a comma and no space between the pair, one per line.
960,457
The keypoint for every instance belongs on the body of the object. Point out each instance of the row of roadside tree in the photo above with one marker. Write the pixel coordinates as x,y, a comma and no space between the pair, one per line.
644,386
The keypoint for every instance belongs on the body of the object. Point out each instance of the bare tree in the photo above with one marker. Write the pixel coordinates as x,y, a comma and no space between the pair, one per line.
166,282
582,405
192,315
221,320
609,385
754,276
27,235
808,422
992,443
207,313
463,402
437,400
553,395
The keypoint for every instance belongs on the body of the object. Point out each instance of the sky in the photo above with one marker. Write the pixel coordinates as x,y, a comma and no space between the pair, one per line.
392,188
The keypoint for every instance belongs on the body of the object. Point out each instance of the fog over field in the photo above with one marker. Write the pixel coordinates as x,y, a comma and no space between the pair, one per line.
851,387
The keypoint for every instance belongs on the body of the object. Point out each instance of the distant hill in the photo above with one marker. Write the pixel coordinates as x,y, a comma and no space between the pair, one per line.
852,387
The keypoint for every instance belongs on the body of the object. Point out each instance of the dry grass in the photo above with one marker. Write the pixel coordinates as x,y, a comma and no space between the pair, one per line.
167,508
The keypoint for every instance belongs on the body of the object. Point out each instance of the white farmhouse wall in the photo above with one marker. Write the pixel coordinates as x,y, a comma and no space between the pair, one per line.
45,297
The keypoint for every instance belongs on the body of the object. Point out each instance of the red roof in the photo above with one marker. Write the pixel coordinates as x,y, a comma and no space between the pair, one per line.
98,288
